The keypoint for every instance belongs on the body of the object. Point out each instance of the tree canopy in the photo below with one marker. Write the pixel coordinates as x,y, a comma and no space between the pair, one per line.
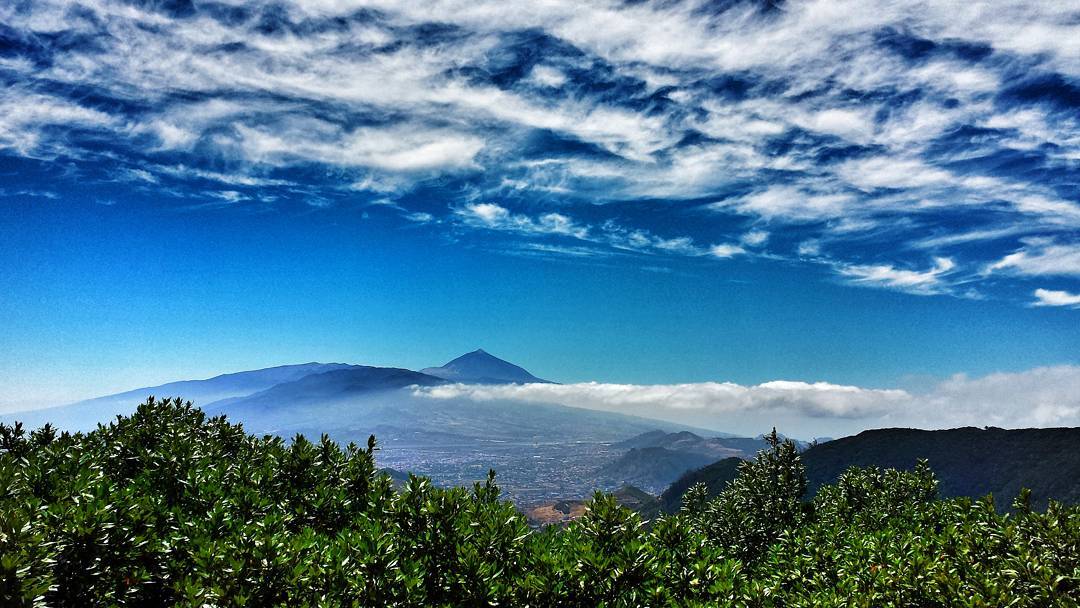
171,507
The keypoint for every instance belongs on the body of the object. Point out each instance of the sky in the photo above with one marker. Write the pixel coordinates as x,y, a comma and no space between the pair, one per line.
862,196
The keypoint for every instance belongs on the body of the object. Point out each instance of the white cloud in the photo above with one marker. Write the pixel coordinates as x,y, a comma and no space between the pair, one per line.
497,217
25,116
1054,208
1041,397
488,213
1046,396
890,172
726,250
548,76
755,238
229,196
856,125
395,148
1041,258
789,203
420,217
910,281
811,248
170,136
714,398
1051,297
232,179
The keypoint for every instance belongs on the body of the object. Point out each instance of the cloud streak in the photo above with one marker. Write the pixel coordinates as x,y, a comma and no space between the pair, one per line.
1040,397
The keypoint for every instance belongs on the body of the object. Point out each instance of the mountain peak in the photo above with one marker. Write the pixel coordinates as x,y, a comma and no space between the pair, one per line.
476,354
480,366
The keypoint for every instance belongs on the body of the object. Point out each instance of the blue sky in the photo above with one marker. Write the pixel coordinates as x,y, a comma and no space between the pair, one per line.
876,194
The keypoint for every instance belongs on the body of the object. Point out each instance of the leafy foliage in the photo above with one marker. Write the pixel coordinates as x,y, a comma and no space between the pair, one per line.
170,507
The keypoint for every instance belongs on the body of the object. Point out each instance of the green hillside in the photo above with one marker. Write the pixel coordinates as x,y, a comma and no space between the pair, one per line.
967,462
168,507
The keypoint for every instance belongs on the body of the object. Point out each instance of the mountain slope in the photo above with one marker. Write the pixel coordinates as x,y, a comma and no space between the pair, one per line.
967,461
715,477
480,367
685,441
84,415
651,469
656,459
334,384
314,401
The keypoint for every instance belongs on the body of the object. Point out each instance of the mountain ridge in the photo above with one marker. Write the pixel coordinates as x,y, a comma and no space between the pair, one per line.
87,413
478,367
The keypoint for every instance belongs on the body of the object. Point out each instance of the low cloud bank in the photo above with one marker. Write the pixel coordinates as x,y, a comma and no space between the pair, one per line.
1040,397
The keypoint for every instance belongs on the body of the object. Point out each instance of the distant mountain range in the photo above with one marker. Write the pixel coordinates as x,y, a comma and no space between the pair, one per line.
351,401
276,387
85,415
967,461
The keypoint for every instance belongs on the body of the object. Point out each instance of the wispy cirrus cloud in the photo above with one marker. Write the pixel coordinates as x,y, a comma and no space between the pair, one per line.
1041,258
493,216
922,282
497,217
859,126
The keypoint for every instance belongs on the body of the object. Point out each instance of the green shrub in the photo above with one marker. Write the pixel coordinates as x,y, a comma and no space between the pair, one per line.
170,507
762,502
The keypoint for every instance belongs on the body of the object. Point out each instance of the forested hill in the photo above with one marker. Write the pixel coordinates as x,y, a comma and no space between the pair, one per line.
967,461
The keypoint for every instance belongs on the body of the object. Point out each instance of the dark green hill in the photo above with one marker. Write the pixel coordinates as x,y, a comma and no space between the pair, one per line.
967,461
715,476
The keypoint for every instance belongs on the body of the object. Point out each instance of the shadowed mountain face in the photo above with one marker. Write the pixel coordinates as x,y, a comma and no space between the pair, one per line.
967,461
332,385
479,367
